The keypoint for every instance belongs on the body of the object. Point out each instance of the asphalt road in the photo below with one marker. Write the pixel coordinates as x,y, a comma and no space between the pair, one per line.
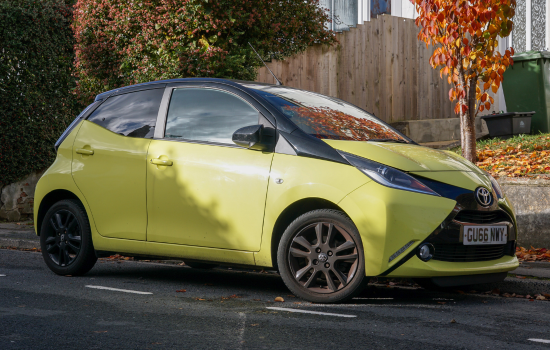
40,310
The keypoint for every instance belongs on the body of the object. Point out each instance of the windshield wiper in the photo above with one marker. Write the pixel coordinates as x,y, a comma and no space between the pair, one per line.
388,140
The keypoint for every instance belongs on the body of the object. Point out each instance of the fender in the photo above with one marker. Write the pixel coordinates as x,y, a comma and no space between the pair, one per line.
294,178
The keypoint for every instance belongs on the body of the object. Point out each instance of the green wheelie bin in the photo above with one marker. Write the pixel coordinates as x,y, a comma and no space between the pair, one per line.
527,88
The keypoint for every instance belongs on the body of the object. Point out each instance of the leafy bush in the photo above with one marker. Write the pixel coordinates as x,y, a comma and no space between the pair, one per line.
123,42
36,99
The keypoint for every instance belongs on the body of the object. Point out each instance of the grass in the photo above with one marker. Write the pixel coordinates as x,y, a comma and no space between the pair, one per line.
519,156
528,142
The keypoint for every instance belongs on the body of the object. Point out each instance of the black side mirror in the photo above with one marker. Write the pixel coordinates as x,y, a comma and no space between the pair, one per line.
253,137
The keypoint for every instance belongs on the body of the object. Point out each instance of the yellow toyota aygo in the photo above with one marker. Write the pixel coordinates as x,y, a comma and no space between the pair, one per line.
215,171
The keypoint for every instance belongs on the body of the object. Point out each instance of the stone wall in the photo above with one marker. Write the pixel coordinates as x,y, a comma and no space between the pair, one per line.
531,201
17,199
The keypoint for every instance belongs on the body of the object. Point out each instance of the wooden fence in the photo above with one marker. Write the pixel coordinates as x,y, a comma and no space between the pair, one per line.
379,66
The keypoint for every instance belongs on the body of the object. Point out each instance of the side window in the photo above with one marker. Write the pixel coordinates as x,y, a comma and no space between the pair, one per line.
207,115
133,114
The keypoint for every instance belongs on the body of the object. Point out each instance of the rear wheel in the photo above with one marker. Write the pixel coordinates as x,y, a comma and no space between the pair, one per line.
66,240
321,257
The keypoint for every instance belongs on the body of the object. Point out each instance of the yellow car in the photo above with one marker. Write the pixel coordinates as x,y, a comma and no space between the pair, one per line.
215,171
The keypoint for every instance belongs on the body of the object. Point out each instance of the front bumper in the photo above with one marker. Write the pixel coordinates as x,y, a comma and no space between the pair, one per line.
393,223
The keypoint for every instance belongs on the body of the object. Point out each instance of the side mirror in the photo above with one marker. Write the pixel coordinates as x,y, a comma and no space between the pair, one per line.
253,137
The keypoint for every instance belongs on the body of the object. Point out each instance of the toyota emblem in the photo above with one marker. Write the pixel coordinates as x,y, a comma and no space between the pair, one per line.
483,196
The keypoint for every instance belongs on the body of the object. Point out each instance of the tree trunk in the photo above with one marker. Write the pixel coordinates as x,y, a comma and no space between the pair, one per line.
467,121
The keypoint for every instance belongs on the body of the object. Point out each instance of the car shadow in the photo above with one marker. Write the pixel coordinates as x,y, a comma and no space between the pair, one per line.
237,279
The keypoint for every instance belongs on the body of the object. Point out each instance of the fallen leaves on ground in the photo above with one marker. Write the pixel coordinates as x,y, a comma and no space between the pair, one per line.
279,299
533,254
118,257
22,249
521,156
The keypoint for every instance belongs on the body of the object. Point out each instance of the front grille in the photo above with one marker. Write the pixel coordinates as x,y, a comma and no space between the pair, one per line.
457,252
482,217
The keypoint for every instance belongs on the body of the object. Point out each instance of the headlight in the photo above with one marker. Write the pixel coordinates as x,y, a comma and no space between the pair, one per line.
496,186
388,176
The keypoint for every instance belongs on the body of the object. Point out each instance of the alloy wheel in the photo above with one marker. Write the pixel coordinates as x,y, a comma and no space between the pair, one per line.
323,257
64,240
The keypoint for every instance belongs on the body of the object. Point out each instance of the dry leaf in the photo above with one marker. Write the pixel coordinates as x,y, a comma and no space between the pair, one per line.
453,321
181,291
279,299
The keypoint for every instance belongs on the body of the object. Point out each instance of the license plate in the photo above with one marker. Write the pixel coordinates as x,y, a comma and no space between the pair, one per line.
480,235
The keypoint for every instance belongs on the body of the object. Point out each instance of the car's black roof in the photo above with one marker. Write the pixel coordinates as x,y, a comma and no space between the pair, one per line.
235,83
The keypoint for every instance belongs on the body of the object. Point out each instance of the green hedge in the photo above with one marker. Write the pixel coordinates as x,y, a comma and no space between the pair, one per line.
122,42
36,85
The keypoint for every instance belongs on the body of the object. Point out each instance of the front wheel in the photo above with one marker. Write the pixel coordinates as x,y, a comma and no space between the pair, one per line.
66,240
321,258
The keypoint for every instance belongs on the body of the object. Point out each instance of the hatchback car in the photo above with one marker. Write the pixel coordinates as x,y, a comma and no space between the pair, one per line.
215,171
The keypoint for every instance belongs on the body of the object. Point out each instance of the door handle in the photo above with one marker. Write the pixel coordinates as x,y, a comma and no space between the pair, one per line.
162,162
88,152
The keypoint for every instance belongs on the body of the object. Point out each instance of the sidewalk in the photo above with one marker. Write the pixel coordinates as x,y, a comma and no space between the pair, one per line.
530,278
20,236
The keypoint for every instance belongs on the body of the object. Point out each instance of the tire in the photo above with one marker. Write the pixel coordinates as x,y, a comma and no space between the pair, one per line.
66,239
316,271
200,265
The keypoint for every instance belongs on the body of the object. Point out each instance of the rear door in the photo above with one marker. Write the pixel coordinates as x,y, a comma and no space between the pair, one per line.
109,162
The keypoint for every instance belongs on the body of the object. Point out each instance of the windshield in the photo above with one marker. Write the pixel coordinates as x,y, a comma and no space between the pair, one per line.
325,117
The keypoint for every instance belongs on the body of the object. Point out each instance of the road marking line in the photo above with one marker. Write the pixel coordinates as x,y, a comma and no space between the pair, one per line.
242,316
375,305
540,340
117,290
309,312
2,275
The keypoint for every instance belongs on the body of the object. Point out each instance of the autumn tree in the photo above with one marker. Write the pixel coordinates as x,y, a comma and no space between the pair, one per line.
465,35
122,42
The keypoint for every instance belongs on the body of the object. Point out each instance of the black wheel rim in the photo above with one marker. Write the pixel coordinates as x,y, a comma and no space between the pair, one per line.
323,257
64,239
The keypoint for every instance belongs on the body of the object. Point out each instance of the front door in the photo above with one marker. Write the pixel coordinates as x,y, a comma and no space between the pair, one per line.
202,189
109,162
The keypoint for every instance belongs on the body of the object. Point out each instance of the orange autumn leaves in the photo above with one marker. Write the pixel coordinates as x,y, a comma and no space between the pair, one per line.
518,161
533,254
465,34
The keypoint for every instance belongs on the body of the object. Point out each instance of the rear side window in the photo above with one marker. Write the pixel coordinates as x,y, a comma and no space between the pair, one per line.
133,114
207,115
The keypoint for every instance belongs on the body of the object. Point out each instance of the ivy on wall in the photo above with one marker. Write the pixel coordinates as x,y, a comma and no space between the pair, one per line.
36,83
